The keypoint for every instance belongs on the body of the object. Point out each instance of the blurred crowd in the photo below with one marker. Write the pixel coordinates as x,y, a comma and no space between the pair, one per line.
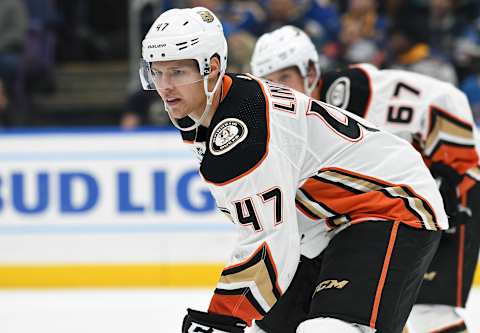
37,35
439,38
23,32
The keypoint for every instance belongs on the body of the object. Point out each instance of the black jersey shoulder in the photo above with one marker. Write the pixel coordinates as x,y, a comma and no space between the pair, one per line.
237,139
349,89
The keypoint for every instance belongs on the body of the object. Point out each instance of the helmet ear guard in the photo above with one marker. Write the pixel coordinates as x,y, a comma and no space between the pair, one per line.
282,48
179,34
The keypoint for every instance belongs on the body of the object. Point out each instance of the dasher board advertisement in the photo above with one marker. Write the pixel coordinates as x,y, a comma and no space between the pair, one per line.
106,197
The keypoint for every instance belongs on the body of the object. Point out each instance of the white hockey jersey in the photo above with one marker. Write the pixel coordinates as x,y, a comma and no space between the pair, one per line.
431,114
269,150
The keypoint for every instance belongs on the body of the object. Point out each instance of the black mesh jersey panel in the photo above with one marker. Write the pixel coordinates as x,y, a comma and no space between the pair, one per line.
244,102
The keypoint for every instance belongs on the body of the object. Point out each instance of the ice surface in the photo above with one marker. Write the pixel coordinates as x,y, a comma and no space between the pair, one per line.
118,311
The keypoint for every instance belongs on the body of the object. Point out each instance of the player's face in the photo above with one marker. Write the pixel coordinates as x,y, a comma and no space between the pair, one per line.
180,85
288,76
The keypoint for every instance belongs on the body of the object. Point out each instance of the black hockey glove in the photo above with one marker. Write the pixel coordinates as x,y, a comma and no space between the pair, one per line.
449,180
450,175
202,322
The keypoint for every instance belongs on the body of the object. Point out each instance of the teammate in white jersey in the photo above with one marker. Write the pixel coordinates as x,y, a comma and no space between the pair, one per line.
436,118
263,148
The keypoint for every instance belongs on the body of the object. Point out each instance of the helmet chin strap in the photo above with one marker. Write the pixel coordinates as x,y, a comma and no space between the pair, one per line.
208,106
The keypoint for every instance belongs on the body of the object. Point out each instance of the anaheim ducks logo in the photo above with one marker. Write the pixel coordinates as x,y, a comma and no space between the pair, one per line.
206,16
226,135
339,92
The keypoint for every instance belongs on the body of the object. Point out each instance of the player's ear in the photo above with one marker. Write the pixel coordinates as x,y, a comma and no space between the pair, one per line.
311,73
214,67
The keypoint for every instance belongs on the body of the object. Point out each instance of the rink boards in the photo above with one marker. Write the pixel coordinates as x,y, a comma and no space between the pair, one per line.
105,208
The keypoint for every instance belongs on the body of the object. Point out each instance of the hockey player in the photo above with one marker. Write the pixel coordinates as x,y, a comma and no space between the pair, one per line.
436,118
262,148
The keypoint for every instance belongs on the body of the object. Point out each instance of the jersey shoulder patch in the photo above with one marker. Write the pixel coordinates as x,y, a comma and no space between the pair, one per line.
338,93
349,89
238,135
226,135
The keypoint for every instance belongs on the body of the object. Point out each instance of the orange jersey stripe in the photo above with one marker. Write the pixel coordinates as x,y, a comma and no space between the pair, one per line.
234,305
361,205
383,276
239,301
450,141
460,158
411,201
226,85
465,185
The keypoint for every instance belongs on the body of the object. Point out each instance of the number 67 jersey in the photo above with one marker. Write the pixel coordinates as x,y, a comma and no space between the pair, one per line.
271,151
433,115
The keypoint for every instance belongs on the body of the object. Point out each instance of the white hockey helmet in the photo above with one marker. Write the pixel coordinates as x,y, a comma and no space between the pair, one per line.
282,48
178,34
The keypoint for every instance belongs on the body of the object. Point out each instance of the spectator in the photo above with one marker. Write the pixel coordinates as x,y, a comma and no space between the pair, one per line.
44,21
445,26
467,49
362,32
410,51
241,46
241,21
320,20
372,25
3,98
471,87
13,25
236,16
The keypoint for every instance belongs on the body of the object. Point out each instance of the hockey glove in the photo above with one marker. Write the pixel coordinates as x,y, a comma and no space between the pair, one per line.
203,322
449,174
448,180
